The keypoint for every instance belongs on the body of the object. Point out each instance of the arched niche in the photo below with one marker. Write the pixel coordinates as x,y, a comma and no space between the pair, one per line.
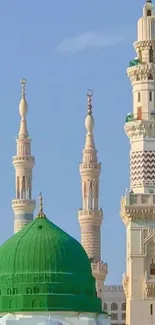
150,259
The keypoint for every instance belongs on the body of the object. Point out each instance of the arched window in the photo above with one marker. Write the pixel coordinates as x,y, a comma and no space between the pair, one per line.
151,54
148,13
15,291
8,291
114,316
18,188
123,316
114,306
28,291
23,183
139,97
150,96
150,77
123,307
152,268
105,306
35,290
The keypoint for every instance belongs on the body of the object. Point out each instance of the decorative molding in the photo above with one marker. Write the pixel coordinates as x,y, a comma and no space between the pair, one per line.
113,288
137,210
140,129
144,45
141,72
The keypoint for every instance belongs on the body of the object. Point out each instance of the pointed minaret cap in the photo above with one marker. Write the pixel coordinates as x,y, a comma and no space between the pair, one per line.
89,121
23,107
41,212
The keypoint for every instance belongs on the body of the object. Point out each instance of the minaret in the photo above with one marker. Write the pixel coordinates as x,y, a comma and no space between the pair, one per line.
90,216
138,205
23,205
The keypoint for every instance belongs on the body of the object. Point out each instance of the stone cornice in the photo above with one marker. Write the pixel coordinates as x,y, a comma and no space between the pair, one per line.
143,45
138,211
141,72
137,129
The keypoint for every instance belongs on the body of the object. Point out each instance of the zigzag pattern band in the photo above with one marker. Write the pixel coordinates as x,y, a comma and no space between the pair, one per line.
142,168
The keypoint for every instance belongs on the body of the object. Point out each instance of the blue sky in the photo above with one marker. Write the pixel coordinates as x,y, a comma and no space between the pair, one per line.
63,48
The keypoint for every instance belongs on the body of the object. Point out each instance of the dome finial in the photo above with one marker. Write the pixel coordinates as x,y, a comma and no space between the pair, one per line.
41,212
89,96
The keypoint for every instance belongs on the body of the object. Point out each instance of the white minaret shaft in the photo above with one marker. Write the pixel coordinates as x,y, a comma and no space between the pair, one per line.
138,205
142,129
23,205
90,216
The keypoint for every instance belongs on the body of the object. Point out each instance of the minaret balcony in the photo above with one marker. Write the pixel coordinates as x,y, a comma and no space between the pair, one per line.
20,161
94,217
90,167
99,270
140,126
135,206
23,205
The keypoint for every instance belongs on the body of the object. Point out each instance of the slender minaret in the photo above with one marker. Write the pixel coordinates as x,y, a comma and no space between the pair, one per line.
23,206
90,216
138,205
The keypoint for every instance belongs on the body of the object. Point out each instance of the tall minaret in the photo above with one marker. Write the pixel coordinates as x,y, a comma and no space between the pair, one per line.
138,205
23,205
90,216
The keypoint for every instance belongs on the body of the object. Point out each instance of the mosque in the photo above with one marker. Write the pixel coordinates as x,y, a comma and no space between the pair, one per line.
46,276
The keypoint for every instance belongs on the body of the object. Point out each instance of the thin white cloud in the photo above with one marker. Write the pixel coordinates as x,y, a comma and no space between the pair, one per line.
91,39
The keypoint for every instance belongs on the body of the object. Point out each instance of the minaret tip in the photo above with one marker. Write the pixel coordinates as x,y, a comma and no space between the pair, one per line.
23,83
41,212
89,121
23,107
89,96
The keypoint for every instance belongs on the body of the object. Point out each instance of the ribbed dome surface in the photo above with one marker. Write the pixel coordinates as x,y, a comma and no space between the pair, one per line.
43,268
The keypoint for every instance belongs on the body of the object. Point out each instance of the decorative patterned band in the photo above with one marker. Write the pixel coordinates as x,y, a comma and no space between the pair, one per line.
142,168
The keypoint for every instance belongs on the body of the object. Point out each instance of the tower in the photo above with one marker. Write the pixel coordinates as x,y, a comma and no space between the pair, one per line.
90,216
23,205
138,205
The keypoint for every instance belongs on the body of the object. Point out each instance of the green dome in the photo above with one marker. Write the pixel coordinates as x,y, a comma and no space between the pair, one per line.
43,268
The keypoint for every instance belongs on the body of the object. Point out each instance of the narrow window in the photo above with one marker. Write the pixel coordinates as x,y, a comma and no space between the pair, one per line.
148,13
139,97
150,77
139,113
151,309
152,268
150,96
151,55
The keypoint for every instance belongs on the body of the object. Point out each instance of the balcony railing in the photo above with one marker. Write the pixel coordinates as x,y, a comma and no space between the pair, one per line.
143,116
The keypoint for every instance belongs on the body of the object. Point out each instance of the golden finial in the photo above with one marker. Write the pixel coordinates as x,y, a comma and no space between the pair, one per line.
23,83
89,96
41,212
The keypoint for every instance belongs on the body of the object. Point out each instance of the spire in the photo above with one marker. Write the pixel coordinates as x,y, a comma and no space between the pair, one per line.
148,1
41,212
89,152
90,215
23,109
23,204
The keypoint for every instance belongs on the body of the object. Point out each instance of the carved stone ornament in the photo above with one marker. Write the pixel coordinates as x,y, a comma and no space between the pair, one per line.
140,129
135,214
140,72
144,45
